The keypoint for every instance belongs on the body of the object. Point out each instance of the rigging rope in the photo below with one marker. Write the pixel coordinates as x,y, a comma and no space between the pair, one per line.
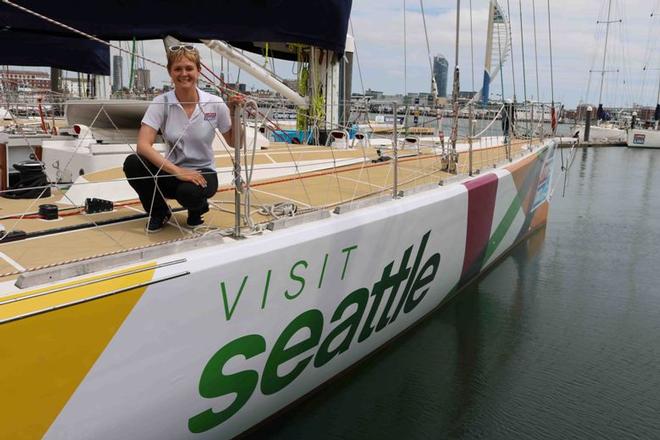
499,48
405,55
522,50
472,47
536,54
513,64
426,35
552,78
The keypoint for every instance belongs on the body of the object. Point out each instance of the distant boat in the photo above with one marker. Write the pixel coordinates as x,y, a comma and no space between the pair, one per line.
646,138
640,138
605,133
537,112
5,115
603,130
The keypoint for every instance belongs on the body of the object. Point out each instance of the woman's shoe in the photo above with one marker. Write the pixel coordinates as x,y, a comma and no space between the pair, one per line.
157,222
195,217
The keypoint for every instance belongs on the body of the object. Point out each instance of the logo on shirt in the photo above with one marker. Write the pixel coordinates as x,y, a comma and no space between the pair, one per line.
209,116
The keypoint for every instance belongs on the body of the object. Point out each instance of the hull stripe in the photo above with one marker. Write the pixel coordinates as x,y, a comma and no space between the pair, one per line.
45,357
482,194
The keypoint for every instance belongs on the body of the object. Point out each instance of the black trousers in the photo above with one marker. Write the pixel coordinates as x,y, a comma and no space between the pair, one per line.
140,172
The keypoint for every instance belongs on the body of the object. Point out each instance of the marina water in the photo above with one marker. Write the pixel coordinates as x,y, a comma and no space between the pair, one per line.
560,340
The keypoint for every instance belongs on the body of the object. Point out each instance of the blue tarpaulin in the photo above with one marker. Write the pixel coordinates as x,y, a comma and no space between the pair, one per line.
319,23
30,49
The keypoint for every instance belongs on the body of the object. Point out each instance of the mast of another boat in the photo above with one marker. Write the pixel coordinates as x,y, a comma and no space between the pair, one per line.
453,159
656,115
607,22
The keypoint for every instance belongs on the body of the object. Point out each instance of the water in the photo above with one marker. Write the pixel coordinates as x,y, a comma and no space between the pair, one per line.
560,340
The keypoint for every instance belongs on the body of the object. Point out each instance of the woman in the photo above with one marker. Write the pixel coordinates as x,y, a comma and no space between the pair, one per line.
187,118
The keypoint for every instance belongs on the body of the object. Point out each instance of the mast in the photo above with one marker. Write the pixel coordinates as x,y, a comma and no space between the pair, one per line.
456,89
601,111
656,115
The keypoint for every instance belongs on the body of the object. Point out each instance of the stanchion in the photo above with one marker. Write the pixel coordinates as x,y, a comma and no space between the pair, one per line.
395,148
237,133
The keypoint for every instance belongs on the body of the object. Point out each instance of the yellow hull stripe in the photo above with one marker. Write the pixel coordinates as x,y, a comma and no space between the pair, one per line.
43,358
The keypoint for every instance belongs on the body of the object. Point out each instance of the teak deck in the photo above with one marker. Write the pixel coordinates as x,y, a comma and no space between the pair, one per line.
317,189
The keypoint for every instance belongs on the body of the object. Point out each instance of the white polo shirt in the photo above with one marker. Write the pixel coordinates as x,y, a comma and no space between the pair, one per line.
190,140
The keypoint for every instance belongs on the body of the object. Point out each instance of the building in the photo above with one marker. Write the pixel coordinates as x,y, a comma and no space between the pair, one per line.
440,69
117,73
25,81
206,87
240,87
78,85
466,95
142,79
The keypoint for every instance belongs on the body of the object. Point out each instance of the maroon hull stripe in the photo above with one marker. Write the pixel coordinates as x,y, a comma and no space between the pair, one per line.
482,193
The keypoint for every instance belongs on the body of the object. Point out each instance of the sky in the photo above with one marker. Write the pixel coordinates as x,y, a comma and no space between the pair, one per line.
394,61
577,45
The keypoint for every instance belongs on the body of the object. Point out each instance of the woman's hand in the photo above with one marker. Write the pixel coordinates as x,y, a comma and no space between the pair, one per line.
193,176
235,100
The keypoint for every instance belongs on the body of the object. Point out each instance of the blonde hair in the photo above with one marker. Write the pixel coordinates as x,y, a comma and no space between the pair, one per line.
191,55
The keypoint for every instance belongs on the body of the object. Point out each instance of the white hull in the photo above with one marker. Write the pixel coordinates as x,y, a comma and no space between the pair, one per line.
206,342
5,115
638,138
65,160
602,134
537,114
108,114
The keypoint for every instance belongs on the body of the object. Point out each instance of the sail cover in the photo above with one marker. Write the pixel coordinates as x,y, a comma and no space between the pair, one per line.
319,23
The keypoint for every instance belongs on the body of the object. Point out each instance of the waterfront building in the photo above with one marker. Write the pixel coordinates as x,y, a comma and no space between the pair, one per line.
142,79
440,69
117,73
25,81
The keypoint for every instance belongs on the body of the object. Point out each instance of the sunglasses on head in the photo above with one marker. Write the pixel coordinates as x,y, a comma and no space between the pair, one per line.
184,47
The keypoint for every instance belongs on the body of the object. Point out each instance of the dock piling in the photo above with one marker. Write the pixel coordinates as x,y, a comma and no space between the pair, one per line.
587,124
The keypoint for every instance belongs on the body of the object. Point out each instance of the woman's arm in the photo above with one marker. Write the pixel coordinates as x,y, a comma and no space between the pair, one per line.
229,137
145,148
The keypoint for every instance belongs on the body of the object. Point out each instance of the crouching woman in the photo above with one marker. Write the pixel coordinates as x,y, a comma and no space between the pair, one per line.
187,118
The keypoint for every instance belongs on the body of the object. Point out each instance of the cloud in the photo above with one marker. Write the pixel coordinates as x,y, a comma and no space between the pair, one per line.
577,47
389,65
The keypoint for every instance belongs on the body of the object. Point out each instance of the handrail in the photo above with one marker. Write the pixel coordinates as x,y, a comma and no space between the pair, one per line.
91,282
93,298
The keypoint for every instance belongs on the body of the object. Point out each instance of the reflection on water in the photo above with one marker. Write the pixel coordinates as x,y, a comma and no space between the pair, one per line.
560,340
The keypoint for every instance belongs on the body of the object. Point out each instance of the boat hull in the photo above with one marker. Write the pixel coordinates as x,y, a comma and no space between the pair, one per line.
602,134
638,138
207,343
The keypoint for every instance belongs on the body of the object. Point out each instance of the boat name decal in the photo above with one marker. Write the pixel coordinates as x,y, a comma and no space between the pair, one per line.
359,315
639,139
296,273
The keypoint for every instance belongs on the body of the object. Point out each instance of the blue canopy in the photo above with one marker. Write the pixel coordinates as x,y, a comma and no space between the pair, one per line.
318,23
31,49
